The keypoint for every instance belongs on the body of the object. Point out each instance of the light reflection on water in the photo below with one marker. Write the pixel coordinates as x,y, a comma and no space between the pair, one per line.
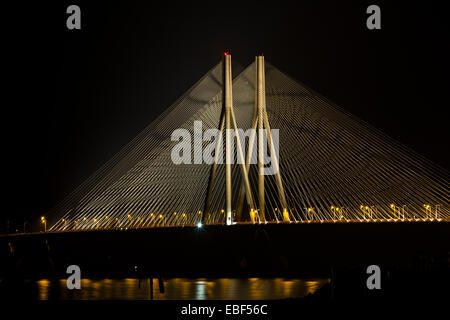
181,288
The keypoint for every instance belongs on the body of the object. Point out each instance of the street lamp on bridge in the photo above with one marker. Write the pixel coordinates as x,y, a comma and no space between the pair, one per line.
44,222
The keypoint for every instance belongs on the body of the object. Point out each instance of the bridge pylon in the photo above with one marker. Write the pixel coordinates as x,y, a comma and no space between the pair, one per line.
228,120
260,124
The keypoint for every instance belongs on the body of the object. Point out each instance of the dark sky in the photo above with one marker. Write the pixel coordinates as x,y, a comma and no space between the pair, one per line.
74,98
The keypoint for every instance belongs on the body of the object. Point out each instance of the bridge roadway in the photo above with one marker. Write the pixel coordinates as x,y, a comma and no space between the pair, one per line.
266,250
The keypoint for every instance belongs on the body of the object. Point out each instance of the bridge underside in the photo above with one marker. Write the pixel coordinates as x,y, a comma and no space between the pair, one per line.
334,167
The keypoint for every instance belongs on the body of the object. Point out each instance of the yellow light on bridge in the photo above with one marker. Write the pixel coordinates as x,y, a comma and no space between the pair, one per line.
44,222
252,215
286,215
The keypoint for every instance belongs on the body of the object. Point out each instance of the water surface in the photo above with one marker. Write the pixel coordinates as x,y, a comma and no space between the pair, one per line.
178,288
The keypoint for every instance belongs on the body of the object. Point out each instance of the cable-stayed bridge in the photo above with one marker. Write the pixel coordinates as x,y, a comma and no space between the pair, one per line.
333,167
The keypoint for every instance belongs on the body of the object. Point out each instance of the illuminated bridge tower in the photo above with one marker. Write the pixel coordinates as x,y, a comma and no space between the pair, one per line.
228,118
260,124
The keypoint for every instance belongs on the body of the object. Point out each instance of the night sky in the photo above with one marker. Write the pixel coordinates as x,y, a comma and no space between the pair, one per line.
75,97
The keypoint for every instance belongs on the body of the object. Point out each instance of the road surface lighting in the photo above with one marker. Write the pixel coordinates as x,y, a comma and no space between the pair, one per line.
403,212
364,213
252,215
286,215
339,213
427,210
44,222
374,210
393,209
333,210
